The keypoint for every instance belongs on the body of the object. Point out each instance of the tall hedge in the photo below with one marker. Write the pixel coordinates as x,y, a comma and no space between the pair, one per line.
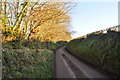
102,50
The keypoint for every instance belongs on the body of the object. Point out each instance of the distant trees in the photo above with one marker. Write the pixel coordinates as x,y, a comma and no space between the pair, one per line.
46,21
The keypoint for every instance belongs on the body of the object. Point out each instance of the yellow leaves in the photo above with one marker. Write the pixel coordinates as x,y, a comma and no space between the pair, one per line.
9,38
52,32
51,11
2,28
44,21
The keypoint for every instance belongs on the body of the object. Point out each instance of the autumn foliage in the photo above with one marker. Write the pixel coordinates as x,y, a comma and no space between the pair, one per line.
45,21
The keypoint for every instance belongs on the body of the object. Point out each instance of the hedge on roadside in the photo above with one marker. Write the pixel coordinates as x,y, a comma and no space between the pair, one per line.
102,50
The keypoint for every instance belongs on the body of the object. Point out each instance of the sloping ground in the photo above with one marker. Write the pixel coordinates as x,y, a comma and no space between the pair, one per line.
102,50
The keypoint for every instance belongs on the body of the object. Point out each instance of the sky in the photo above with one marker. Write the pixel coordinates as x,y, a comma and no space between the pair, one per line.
88,17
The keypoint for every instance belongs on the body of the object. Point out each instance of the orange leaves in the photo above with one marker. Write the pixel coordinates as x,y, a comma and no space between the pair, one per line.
47,38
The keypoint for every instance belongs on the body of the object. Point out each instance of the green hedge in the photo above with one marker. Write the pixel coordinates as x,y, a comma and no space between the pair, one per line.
102,50
28,63
33,44
29,59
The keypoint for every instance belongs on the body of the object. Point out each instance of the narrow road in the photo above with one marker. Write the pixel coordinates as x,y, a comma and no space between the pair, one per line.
67,66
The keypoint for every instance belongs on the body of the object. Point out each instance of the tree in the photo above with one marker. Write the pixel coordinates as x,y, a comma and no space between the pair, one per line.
21,19
52,22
